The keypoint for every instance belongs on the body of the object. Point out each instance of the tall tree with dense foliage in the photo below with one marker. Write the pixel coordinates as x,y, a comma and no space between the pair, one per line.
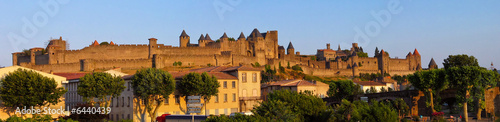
460,60
29,88
307,106
400,107
199,85
431,82
343,89
152,87
471,81
100,86
362,111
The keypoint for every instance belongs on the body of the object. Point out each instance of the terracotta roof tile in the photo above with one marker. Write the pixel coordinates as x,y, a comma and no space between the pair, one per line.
71,76
294,82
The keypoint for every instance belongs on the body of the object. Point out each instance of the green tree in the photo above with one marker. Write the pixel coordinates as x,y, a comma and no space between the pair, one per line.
276,110
152,86
373,90
343,89
361,111
296,68
376,112
347,111
268,74
431,82
100,86
29,88
256,64
401,107
238,118
382,89
288,65
460,60
307,106
194,84
376,52
471,81
362,54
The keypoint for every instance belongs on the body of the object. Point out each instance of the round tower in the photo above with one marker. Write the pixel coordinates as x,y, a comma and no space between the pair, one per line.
290,50
183,39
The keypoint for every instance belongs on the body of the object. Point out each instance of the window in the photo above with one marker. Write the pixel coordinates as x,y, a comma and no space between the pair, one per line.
111,116
225,84
177,99
234,97
225,97
254,77
111,105
244,77
233,84
166,100
117,102
123,101
217,98
117,116
254,92
128,88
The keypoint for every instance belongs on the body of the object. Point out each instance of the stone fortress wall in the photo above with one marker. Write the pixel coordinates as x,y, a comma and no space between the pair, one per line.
257,47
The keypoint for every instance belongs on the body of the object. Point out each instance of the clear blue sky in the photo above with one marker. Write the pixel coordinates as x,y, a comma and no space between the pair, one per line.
436,28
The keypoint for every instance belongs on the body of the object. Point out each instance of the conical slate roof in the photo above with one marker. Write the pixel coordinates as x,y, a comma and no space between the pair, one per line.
432,63
409,54
207,37
202,37
183,34
241,35
224,36
255,33
290,46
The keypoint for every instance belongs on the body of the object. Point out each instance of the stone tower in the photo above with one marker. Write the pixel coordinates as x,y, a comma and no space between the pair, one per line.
201,41
152,47
383,62
281,52
432,64
183,39
355,65
411,61
290,50
243,44
418,64
52,48
224,42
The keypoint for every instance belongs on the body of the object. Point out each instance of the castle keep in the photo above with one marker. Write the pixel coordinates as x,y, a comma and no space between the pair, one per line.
225,51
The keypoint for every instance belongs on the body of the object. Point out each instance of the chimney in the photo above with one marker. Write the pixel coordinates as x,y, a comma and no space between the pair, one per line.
327,45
